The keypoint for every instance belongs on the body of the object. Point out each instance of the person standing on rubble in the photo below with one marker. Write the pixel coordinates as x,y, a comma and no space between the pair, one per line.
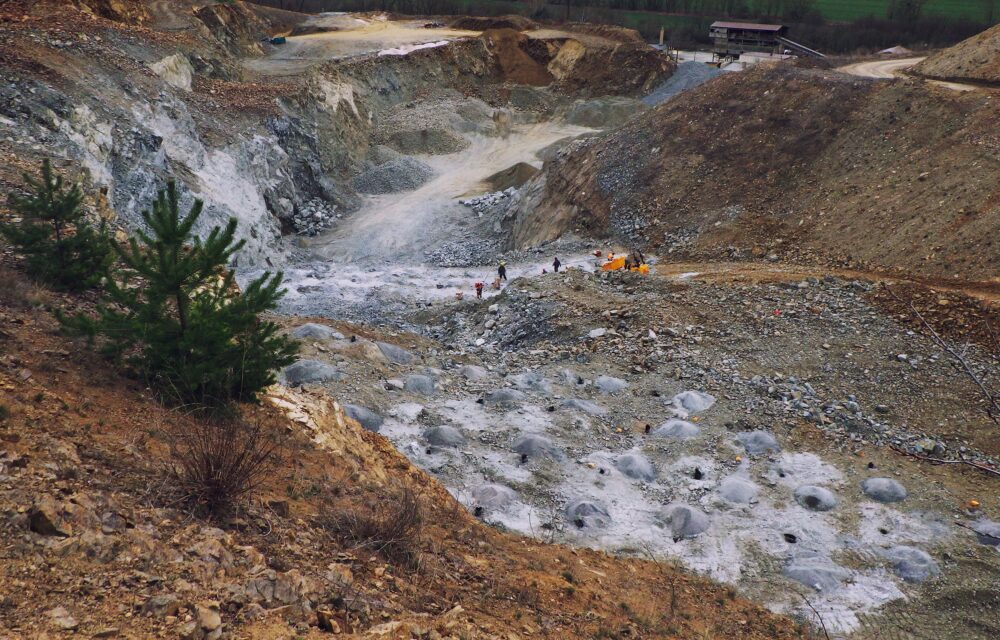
556,264
479,289
502,270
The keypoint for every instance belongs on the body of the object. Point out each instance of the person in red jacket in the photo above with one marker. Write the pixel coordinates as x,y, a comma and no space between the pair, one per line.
479,289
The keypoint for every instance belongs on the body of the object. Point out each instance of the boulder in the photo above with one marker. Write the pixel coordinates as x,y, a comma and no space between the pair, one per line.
883,490
738,490
757,442
395,355
586,406
536,446
610,385
988,532
419,384
816,571
473,373
444,436
175,70
911,564
636,466
505,397
684,520
364,416
310,371
690,402
587,514
493,496
161,606
815,498
46,518
313,331
61,619
679,429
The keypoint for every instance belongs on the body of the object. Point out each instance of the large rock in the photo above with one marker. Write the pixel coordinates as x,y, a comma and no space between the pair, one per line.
46,518
636,466
473,373
313,331
738,490
911,564
691,402
679,429
310,371
61,619
493,496
365,417
444,436
395,355
815,498
988,532
883,490
610,385
816,571
757,442
536,446
420,384
175,70
586,406
161,606
505,397
587,514
684,520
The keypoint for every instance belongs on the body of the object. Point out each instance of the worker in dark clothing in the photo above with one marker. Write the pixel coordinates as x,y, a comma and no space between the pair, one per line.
502,270
479,289
556,264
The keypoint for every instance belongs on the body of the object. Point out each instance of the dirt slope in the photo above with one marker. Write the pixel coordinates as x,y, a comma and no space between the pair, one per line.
976,59
92,541
791,162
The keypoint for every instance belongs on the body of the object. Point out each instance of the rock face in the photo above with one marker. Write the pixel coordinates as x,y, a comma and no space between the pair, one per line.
684,521
46,518
884,490
365,417
636,466
815,498
444,436
988,532
310,371
587,514
757,442
911,564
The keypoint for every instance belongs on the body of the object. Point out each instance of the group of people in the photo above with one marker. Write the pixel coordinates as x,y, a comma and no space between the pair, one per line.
502,276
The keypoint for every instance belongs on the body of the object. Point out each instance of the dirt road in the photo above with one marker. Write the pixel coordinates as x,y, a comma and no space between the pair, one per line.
888,69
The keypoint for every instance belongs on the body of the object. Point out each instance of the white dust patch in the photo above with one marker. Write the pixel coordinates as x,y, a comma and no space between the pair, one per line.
403,50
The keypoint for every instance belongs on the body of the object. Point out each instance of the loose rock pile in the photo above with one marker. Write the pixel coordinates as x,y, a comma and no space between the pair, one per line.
315,216
490,203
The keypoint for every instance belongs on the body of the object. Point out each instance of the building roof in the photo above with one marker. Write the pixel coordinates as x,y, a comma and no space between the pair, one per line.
748,26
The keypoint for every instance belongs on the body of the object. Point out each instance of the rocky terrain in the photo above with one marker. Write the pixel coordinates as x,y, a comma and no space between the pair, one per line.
807,165
974,60
761,439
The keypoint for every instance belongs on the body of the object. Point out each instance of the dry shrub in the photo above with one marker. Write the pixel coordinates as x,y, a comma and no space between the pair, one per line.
17,292
221,461
391,527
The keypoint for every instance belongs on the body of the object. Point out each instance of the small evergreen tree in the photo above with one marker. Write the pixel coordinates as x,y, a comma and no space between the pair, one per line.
61,247
179,319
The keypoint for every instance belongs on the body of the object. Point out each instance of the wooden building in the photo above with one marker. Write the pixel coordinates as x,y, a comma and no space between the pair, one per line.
730,39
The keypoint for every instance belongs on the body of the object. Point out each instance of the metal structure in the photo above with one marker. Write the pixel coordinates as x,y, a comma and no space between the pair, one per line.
732,39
